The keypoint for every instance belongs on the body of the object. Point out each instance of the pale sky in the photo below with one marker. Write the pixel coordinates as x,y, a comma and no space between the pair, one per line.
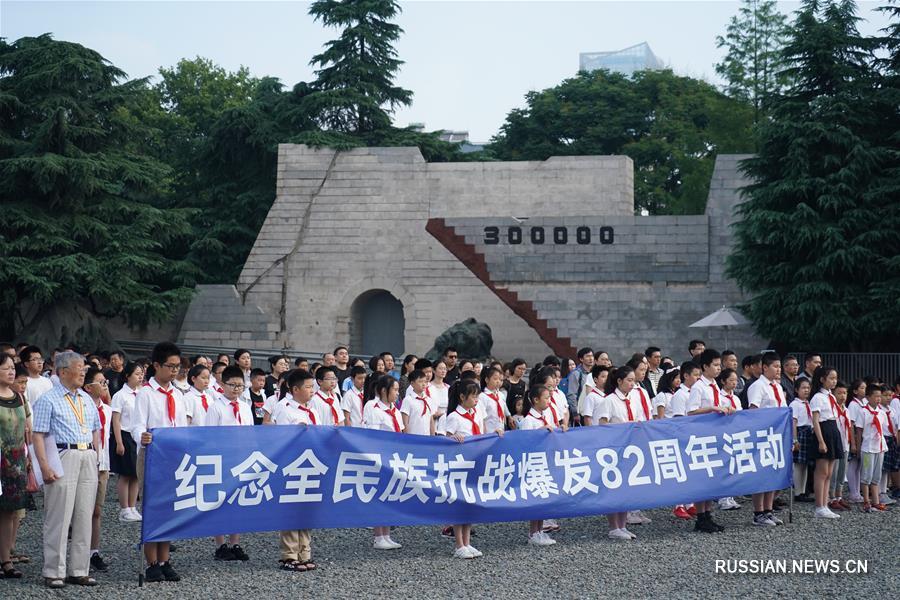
467,63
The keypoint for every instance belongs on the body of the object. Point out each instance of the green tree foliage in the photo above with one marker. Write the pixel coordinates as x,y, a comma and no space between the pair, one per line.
817,244
354,87
753,66
79,220
671,126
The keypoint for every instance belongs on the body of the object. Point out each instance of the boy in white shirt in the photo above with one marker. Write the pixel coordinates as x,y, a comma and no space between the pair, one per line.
354,400
766,392
230,410
417,410
705,398
294,409
326,402
157,405
870,430
690,375
37,384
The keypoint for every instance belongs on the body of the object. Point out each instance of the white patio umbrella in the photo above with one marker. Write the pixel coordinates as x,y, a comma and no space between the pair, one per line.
724,317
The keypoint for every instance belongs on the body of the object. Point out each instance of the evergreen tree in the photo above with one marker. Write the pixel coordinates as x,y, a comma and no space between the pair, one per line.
752,66
817,244
80,223
355,91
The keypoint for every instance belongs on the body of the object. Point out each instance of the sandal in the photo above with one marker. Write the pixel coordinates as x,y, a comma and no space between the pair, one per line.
293,565
9,573
54,583
20,558
310,565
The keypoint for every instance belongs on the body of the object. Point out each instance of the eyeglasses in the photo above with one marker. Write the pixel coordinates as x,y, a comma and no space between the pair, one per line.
171,366
235,386
103,383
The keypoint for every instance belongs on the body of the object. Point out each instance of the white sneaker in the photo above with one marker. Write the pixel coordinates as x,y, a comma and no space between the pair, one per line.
134,513
391,541
476,553
728,504
126,516
762,520
633,518
625,529
771,516
463,553
540,539
886,499
619,534
644,518
822,512
382,543
550,525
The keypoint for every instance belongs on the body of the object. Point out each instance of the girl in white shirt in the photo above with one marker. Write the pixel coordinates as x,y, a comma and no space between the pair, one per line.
828,437
123,456
491,403
199,398
382,413
439,394
463,421
616,410
538,416
668,384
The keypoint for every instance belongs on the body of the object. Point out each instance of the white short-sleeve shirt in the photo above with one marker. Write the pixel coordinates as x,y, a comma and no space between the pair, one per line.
802,412
420,411
289,412
762,394
703,395
353,403
151,410
123,403
872,440
493,410
536,420
328,408
615,408
193,402
458,424
440,396
103,453
222,413
640,404
589,404
854,407
823,403
378,415
729,399
678,403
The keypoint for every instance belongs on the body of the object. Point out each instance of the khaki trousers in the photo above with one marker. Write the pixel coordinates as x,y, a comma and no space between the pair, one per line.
70,501
295,545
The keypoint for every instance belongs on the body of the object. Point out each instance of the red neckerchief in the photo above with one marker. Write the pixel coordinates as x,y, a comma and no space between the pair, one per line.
102,426
236,409
775,390
170,403
469,416
495,396
330,402
393,412
311,414
538,416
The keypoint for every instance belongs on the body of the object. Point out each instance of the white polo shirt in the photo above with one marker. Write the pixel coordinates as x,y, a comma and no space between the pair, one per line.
678,403
589,404
123,403
854,407
193,403
703,395
802,412
615,408
822,404
440,395
639,401
104,411
378,415
872,440
536,420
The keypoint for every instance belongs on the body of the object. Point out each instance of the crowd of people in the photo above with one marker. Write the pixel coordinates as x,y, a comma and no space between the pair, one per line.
96,413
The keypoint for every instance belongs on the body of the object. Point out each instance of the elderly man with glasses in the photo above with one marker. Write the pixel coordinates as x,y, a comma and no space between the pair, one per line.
70,416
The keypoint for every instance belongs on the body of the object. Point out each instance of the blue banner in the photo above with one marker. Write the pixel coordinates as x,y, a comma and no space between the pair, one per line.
203,481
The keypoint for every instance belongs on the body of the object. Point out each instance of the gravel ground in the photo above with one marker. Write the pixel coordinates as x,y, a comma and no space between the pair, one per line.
667,558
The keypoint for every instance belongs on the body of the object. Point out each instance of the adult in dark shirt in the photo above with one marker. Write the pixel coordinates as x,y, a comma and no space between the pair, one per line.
278,364
341,364
451,358
115,374
752,371
514,384
789,368
811,362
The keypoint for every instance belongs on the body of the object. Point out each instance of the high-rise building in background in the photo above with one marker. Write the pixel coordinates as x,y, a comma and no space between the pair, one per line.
634,58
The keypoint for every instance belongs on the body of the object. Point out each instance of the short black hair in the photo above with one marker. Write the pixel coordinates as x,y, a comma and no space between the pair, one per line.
650,350
297,377
707,356
323,371
584,351
416,374
217,365
25,355
164,351
240,352
694,343
231,372
552,360
769,358
449,349
357,371
422,364
339,348
256,373
299,360
688,366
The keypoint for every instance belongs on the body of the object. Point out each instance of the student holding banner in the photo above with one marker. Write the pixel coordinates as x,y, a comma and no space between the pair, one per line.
538,416
294,409
616,408
158,405
766,392
382,413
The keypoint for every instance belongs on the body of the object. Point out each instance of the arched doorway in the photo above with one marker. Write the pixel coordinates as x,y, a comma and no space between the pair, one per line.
377,323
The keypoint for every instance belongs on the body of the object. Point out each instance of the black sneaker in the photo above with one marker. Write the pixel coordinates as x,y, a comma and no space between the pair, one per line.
714,525
169,573
97,563
173,547
704,523
239,553
154,573
223,552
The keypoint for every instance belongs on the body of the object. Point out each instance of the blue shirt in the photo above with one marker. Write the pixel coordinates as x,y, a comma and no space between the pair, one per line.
53,415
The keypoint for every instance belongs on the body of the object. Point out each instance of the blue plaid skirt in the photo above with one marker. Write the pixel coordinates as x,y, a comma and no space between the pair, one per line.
808,447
